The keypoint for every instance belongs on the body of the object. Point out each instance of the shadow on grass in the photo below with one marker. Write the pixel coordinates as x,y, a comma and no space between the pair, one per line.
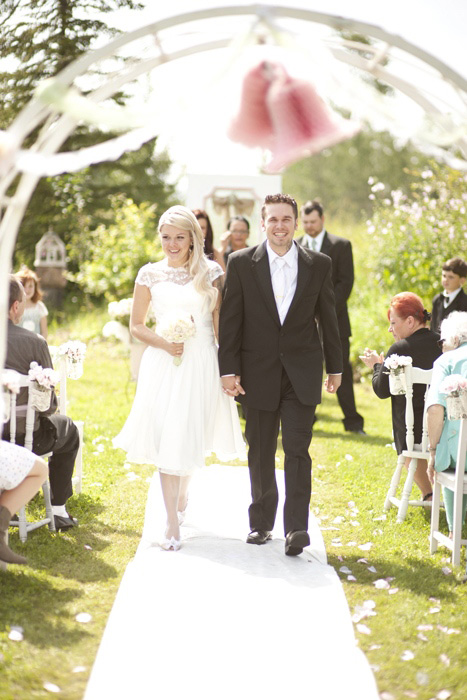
412,574
377,440
46,624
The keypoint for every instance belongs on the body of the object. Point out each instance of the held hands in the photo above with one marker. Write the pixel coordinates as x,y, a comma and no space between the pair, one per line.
332,383
224,241
231,386
370,358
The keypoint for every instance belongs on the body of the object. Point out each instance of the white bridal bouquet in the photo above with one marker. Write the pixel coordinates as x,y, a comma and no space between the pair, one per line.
455,388
43,381
176,329
395,364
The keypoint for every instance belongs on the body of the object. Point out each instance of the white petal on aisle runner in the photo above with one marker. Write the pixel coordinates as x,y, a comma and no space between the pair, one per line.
220,619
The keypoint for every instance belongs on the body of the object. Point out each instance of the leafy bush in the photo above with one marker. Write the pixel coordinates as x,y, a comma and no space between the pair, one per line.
413,236
110,257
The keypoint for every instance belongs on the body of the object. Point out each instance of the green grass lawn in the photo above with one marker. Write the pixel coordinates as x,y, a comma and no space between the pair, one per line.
80,571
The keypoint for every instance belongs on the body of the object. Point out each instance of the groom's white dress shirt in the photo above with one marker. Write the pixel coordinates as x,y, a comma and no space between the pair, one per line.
284,271
449,297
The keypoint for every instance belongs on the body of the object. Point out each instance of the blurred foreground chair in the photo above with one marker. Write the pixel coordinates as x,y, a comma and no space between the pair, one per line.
28,410
413,375
456,480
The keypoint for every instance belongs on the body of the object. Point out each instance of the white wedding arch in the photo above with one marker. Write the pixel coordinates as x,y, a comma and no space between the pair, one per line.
341,63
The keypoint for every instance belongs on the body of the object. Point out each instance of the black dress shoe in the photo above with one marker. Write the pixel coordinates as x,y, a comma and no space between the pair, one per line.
259,537
62,523
295,542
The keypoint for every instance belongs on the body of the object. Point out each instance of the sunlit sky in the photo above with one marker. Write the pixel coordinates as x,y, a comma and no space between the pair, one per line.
195,98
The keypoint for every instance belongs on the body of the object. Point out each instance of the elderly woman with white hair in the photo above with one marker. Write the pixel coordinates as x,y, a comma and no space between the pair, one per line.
443,433
179,414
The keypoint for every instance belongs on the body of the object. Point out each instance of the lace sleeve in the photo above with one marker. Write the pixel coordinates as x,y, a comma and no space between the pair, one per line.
215,270
144,276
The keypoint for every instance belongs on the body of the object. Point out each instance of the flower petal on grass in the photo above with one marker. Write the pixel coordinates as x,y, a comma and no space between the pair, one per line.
349,458
351,577
443,695
372,569
354,523
338,519
407,655
88,546
362,561
52,688
381,583
16,634
421,636
386,696
425,628
351,504
446,570
351,544
365,547
381,517
83,617
422,678
363,629
345,570
79,669
432,611
445,659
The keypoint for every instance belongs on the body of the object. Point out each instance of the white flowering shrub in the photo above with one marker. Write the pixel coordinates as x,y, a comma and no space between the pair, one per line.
413,236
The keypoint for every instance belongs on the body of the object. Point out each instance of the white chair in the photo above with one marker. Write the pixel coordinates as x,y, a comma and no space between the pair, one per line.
457,482
413,375
27,410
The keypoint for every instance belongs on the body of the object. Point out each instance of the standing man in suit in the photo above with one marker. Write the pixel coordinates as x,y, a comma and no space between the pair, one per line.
270,355
453,298
340,251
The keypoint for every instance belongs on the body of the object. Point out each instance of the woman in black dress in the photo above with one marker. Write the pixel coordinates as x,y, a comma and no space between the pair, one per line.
407,323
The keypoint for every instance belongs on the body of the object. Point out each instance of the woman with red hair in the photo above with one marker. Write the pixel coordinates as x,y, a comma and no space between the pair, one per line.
407,323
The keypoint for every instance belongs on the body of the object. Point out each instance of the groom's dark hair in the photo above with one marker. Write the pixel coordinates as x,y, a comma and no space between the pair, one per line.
279,199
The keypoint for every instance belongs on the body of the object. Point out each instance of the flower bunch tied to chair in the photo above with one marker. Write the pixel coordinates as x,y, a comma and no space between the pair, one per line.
43,380
455,388
396,365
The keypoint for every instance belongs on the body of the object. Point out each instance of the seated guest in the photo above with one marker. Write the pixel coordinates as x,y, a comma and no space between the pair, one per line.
407,323
22,474
35,312
453,276
52,432
443,433
235,238
205,225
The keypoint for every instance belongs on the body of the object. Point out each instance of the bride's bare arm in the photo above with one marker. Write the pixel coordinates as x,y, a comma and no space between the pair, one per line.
138,328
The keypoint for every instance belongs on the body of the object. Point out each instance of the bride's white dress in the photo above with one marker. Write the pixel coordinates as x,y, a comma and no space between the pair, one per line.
180,414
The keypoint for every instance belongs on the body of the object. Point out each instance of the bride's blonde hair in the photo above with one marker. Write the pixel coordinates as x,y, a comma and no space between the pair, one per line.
182,218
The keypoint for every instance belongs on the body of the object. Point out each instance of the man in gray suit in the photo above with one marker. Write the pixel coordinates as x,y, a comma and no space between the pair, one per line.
340,251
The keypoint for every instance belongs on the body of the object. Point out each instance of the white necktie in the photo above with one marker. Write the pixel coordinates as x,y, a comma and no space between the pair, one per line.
313,244
278,282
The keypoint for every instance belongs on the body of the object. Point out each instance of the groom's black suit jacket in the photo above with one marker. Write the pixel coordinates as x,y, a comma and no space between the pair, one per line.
254,345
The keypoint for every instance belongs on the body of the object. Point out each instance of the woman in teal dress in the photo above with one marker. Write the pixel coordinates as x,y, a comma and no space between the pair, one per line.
443,433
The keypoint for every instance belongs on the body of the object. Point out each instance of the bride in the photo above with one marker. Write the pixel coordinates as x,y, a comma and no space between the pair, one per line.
179,414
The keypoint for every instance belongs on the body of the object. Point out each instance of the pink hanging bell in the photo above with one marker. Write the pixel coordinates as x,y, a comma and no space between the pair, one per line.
253,126
302,122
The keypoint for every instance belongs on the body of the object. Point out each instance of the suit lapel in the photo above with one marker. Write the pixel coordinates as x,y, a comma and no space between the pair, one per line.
326,246
262,273
305,264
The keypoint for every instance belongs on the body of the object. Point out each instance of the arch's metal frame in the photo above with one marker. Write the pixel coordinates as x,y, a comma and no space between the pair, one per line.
57,127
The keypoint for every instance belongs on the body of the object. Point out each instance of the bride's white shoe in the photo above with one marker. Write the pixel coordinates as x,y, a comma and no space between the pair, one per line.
170,544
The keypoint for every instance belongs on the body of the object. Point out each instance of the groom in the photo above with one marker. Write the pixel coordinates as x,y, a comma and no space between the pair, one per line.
270,355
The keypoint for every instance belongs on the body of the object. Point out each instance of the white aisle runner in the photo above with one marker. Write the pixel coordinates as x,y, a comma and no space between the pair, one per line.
223,620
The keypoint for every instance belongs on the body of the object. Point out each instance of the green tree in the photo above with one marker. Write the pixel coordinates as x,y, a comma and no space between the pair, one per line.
339,176
109,257
39,38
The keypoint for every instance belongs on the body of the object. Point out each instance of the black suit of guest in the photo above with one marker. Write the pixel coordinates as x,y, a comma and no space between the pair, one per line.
340,252
440,312
422,347
281,367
